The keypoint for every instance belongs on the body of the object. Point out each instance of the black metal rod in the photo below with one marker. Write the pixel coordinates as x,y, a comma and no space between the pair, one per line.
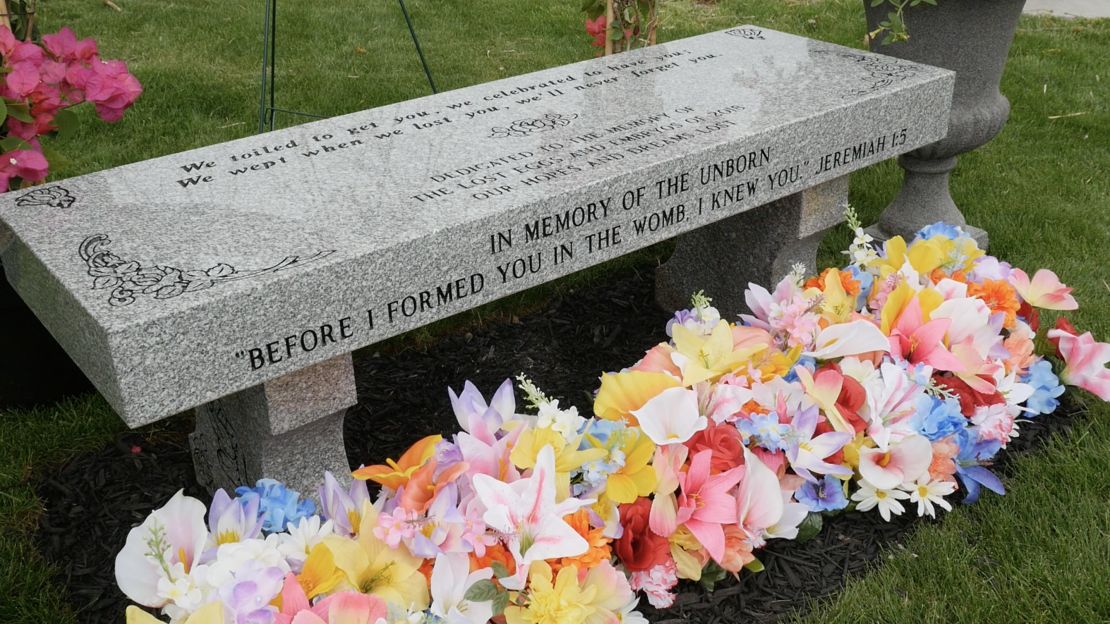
416,42
273,60
265,63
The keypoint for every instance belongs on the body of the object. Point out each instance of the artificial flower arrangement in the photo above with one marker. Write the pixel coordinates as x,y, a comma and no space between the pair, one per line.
888,383
41,84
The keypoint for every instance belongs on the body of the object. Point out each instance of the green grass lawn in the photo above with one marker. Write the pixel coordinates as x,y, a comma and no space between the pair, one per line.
1041,189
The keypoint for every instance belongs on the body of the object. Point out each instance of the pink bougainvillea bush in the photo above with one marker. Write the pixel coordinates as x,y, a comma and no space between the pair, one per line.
41,84
886,386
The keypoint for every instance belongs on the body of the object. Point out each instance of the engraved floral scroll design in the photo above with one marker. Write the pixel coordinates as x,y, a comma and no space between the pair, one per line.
50,197
129,279
882,71
525,127
746,33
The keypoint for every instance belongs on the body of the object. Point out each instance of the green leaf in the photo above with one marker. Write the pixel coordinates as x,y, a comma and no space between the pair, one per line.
66,121
20,112
500,602
810,527
755,565
482,591
3,110
876,3
499,569
616,34
711,574
12,143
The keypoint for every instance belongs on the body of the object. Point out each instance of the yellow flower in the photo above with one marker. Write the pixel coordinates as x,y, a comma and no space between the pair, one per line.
567,456
709,357
636,477
370,566
852,449
319,574
689,555
621,393
901,297
923,255
561,602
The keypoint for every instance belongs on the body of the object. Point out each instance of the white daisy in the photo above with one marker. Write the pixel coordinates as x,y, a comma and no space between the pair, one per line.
926,493
868,496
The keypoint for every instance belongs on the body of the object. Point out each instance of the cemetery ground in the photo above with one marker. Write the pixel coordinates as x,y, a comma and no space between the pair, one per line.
1040,189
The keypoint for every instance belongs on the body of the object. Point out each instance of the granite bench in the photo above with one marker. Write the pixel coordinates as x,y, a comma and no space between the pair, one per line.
238,278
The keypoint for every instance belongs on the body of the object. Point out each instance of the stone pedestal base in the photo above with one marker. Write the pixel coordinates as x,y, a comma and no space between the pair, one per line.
289,429
759,246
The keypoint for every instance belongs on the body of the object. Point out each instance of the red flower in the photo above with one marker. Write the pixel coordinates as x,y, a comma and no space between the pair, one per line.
639,549
968,396
1031,316
597,29
724,441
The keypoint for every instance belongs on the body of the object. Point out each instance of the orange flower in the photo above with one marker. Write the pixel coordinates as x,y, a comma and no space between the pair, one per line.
599,544
394,474
496,553
738,549
850,284
999,296
422,487
942,467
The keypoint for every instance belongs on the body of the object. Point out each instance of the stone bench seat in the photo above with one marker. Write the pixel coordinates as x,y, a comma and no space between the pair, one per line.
238,278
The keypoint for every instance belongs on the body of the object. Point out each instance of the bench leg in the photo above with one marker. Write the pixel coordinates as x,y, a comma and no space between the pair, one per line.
759,246
289,429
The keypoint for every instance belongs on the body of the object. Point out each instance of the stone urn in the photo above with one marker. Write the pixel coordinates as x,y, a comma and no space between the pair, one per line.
972,38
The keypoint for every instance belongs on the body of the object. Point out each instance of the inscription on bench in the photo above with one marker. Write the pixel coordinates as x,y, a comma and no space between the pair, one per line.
242,262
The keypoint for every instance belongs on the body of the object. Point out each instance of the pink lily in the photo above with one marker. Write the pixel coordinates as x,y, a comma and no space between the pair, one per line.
526,512
759,500
1045,290
704,502
903,462
489,455
1085,362
921,342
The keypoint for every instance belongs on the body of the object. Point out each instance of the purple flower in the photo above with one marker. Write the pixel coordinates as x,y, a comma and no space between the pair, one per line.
825,495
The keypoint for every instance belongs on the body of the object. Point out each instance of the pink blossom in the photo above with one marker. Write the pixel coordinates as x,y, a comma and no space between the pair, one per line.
393,528
64,45
995,423
22,79
1085,362
26,165
657,583
112,89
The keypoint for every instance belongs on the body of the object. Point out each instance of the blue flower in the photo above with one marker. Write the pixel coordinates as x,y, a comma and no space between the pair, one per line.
1046,388
825,495
765,430
936,419
278,506
806,362
939,228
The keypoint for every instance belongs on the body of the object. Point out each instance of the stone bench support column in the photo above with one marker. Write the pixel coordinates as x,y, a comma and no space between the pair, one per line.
289,429
759,246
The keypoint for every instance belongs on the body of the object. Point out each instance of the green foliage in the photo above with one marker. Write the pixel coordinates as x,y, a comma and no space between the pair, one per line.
893,28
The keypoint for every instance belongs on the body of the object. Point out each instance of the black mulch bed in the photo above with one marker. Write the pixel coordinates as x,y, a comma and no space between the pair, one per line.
94,500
